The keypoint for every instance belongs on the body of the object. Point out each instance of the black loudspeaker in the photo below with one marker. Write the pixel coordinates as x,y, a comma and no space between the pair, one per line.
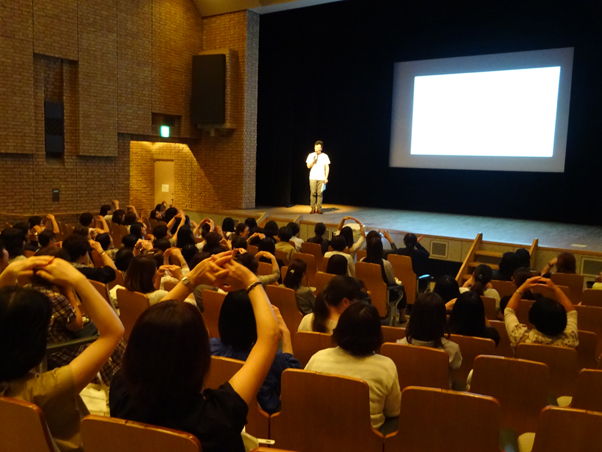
208,100
54,128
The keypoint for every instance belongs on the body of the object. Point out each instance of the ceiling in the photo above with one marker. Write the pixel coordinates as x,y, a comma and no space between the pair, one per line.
215,7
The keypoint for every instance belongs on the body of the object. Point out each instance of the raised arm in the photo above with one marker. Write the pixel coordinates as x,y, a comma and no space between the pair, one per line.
106,260
287,343
342,223
549,266
88,363
55,225
105,227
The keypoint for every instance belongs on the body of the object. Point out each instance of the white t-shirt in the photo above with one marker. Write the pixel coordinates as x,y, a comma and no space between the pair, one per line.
307,323
350,264
378,371
318,170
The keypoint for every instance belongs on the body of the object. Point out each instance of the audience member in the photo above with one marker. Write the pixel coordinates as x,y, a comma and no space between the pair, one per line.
14,244
524,258
518,278
46,238
467,318
347,233
337,265
297,270
78,247
284,235
564,263
123,258
118,216
252,264
141,276
338,245
295,231
480,283
320,230
418,254
508,264
228,227
447,288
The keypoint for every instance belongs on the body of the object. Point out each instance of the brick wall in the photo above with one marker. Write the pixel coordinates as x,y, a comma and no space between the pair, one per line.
114,64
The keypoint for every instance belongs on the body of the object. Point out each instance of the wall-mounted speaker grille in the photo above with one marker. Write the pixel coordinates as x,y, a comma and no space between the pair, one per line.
439,249
591,267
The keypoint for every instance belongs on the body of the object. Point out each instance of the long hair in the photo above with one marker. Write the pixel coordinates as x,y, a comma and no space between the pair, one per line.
236,325
337,289
140,274
428,321
566,263
295,273
347,234
468,315
167,356
374,255
482,276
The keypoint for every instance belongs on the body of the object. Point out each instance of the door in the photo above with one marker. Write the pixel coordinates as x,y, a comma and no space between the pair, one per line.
164,181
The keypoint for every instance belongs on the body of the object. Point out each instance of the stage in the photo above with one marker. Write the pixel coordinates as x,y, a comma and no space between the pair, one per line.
578,238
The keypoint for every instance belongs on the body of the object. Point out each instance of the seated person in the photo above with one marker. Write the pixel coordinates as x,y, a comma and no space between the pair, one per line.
508,264
447,288
358,336
338,265
524,258
238,334
320,230
339,293
173,333
284,235
338,245
98,225
480,282
78,247
123,258
564,263
518,278
418,254
227,227
270,230
106,241
297,272
47,238
250,262
239,242
347,233
428,326
14,240
118,216
555,322
295,231
468,318
141,276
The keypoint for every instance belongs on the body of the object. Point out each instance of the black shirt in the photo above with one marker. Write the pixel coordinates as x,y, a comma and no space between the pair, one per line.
216,417
420,257
101,274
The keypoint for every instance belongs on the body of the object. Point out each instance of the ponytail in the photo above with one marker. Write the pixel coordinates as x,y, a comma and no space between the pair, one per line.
482,276
321,314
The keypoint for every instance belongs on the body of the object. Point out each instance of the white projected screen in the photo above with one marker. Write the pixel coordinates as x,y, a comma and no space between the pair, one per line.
504,112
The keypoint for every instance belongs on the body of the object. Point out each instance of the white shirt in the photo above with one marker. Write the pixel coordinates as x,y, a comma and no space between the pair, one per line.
318,171
307,323
378,371
491,293
350,264
452,349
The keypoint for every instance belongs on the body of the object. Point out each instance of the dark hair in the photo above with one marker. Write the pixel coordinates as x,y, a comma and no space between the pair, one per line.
212,240
249,261
337,265
240,229
162,244
482,276
169,214
123,258
140,273
197,259
295,273
548,316
239,242
319,229
252,223
524,258
268,245
337,289
160,231
188,252
347,234
358,331
76,245
508,264
236,324
104,240
13,239
24,319
284,234
83,231
319,143
447,288
338,243
468,315
521,275
185,237
48,251
374,255
45,237
373,235
34,221
129,218
85,219
136,229
129,241
105,209
228,225
410,240
270,229
117,217
428,321
171,333
566,263
294,227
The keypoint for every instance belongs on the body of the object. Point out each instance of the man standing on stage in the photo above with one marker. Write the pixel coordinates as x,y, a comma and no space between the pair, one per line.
319,163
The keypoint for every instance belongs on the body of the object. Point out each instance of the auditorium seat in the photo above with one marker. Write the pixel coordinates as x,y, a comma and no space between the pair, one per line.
402,267
588,393
27,432
252,249
322,279
573,281
490,308
418,366
586,350
102,434
520,387
286,301
504,288
324,413
592,297
102,290
264,268
371,275
561,361
393,333
307,343
314,249
589,318
470,348
118,281
443,420
131,306
212,304
281,255
503,348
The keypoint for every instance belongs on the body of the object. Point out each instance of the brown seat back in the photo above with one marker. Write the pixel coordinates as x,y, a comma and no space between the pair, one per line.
212,305
561,361
253,249
588,395
97,259
314,249
118,281
520,386
322,279
102,434
308,343
393,333
360,254
102,290
418,366
592,297
563,429
586,350
470,348
504,288
322,412
490,309
573,281
131,306
264,268
282,256
23,427
590,319
522,312
371,275
286,301
402,267
442,420
503,348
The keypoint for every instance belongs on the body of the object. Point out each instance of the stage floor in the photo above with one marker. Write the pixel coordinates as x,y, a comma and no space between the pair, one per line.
587,239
